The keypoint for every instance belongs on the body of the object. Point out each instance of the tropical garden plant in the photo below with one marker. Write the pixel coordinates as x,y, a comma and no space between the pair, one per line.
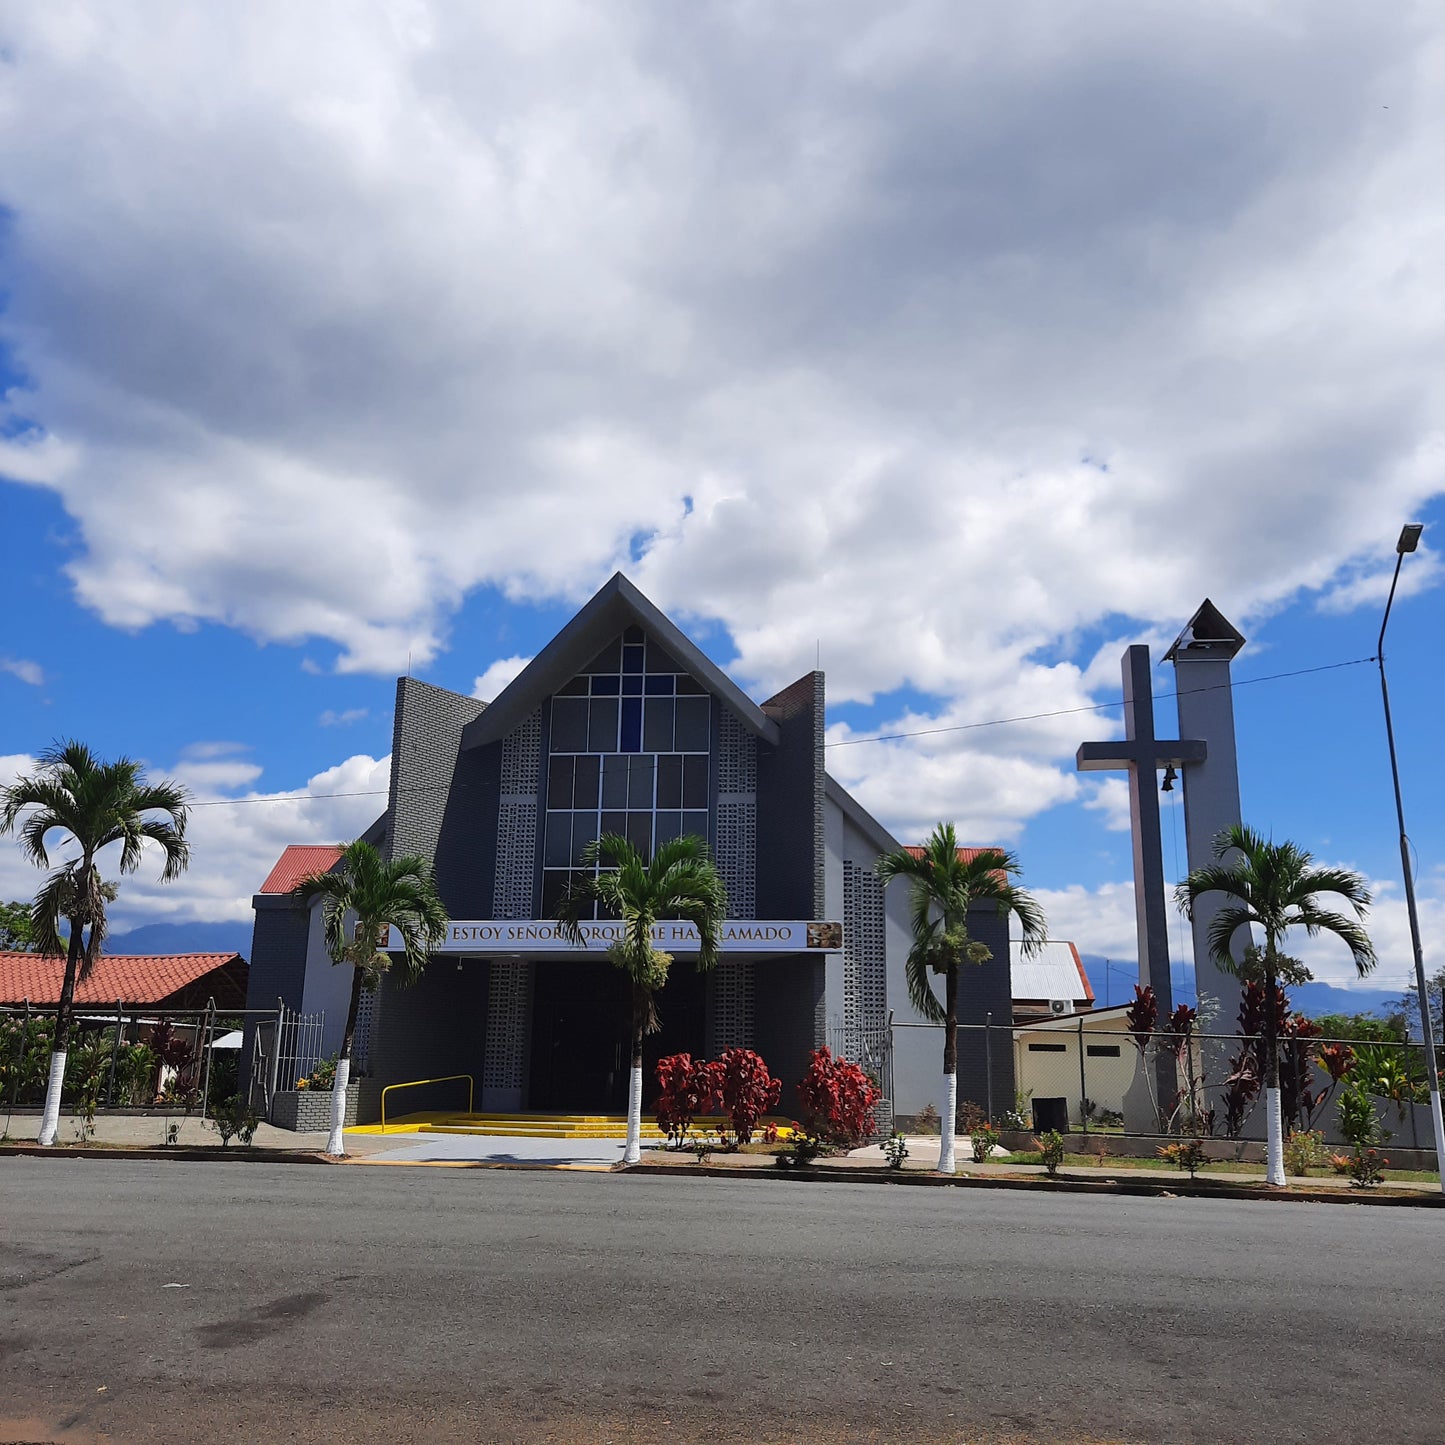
363,898
838,1098
679,881
1274,887
92,805
945,885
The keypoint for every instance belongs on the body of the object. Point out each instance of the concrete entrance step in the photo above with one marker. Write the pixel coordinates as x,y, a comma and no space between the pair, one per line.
540,1126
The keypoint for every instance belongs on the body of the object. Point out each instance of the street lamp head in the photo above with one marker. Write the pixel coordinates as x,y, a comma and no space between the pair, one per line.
1409,537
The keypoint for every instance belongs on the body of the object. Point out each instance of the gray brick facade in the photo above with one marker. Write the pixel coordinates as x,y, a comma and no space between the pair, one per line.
278,964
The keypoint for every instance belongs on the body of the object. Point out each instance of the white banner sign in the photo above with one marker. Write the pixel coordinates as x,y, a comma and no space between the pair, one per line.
544,935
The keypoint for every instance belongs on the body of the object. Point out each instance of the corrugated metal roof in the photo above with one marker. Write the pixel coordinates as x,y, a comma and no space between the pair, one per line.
299,861
131,978
1056,972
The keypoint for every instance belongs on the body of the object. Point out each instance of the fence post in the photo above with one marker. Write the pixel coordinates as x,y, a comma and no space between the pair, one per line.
1083,1086
21,1043
206,1075
276,1054
114,1050
988,1064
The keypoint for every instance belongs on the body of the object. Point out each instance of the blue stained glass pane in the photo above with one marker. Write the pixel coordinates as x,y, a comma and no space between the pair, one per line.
605,686
659,686
632,659
632,685
631,725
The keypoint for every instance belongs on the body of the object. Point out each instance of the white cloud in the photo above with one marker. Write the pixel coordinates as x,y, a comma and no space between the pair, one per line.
236,833
936,341
330,719
30,673
497,676
1102,922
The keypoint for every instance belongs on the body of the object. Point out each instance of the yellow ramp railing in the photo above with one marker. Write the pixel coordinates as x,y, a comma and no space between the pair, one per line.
418,1083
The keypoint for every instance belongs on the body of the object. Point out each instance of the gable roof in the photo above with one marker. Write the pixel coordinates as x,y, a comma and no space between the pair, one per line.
299,861
616,605
132,978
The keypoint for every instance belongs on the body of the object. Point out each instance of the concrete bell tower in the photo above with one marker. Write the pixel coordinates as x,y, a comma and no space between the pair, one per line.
1202,655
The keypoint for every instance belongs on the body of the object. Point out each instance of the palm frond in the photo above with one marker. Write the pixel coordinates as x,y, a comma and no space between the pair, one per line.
919,977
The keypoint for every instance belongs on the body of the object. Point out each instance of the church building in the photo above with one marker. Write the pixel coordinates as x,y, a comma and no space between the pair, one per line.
621,724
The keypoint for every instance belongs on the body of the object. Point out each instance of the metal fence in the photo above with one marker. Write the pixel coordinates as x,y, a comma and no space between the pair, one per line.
285,1046
123,1057
872,1049
130,1056
1073,1077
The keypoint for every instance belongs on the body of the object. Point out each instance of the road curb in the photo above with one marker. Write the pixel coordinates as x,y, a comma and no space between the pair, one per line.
1152,1189
187,1153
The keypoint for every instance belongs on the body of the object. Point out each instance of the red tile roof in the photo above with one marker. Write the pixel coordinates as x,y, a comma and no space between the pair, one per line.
131,978
299,861
965,855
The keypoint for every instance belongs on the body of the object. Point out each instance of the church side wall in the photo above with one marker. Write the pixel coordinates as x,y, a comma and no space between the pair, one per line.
423,1031
278,964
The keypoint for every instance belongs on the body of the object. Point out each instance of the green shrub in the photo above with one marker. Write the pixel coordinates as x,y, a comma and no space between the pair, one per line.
1186,1154
235,1119
1051,1150
983,1139
1305,1150
895,1150
1359,1123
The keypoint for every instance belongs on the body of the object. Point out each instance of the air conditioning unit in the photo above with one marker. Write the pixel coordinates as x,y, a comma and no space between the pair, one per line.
1060,1006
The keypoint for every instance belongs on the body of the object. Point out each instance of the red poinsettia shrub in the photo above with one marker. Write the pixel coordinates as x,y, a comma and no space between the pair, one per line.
689,1088
838,1098
746,1090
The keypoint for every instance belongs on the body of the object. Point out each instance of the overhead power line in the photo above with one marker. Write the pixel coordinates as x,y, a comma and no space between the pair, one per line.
842,742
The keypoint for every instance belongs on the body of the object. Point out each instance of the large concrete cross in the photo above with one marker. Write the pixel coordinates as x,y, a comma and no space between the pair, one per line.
1142,754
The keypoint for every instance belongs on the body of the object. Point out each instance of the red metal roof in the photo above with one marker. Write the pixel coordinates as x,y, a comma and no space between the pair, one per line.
131,978
299,861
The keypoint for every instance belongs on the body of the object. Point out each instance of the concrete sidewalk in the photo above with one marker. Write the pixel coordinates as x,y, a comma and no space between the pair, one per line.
404,1147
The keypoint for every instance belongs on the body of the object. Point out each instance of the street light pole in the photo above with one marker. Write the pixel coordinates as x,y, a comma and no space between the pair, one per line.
1409,540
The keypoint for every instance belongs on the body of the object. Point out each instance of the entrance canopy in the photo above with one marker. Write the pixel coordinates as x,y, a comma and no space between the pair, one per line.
483,936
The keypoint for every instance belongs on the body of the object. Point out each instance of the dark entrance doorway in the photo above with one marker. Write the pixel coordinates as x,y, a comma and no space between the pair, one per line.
581,1020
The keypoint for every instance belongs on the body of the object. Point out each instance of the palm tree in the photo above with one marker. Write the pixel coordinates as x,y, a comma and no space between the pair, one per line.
365,898
680,882
945,885
1273,887
94,804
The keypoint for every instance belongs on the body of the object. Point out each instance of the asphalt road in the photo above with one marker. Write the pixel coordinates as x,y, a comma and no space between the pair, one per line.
397,1305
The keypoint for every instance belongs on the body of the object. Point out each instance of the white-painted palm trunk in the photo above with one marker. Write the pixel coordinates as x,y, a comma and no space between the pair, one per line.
335,1145
633,1152
1274,1127
50,1115
948,1123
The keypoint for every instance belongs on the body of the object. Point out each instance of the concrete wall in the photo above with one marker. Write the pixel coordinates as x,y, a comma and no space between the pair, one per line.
789,1019
278,964
792,873
983,991
327,986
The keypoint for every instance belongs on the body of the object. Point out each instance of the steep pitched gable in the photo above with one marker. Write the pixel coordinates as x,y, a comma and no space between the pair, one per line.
617,605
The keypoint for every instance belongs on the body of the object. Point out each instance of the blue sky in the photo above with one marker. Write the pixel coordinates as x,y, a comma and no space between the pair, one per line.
959,357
